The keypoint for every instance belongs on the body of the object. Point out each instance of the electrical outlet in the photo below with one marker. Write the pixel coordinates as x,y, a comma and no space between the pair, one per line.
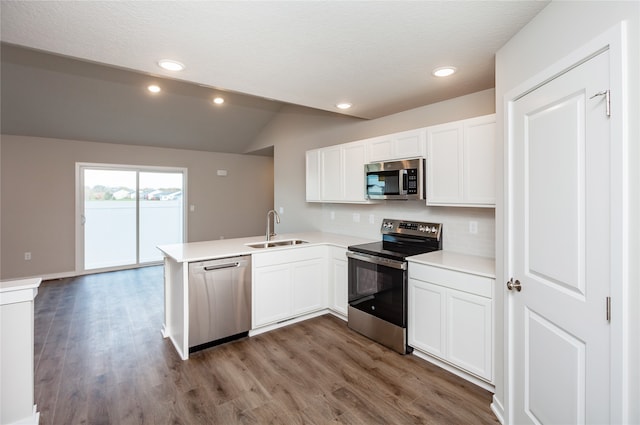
27,256
372,219
192,208
473,227
356,218
332,215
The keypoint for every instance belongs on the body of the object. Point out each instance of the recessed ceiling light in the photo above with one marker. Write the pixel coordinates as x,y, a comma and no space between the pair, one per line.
343,105
170,65
153,88
444,71
218,100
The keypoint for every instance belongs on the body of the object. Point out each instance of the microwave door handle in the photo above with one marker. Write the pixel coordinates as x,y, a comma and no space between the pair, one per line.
404,178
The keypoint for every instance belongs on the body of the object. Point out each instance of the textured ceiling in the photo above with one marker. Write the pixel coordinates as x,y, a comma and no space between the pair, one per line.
376,55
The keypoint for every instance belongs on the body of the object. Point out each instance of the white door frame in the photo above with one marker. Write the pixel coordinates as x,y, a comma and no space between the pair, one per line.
79,239
614,41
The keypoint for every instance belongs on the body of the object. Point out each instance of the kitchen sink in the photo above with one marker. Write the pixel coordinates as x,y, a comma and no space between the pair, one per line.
272,244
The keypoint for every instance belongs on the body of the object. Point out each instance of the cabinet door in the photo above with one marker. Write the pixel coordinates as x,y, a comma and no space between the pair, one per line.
353,172
309,286
479,161
313,175
469,332
271,294
380,148
444,164
331,174
409,144
339,275
426,317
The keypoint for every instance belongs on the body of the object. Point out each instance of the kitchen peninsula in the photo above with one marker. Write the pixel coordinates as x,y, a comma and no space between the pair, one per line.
278,272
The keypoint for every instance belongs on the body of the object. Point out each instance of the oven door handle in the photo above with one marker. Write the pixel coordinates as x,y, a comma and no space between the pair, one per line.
400,265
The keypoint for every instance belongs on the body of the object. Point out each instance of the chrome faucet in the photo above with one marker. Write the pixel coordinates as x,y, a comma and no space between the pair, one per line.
276,219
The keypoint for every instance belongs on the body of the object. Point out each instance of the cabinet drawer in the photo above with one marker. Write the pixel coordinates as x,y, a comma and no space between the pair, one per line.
473,284
286,256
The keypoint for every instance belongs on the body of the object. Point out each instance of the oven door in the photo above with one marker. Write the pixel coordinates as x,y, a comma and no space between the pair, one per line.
378,286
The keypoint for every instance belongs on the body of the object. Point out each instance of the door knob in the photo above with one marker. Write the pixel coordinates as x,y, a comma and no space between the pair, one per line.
511,285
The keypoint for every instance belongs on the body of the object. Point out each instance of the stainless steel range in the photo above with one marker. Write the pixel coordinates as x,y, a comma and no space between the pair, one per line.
378,280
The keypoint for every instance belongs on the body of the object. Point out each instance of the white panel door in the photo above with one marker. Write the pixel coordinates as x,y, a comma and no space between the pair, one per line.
410,144
444,163
479,174
469,332
559,337
309,286
339,290
313,177
353,172
272,294
331,174
427,317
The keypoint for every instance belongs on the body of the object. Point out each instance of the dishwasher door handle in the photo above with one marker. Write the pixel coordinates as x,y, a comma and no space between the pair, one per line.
221,266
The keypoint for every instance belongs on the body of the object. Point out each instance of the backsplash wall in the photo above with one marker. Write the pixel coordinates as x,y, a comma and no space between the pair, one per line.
353,219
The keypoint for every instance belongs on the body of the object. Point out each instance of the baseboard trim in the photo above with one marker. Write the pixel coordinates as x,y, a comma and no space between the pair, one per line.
267,328
497,409
446,366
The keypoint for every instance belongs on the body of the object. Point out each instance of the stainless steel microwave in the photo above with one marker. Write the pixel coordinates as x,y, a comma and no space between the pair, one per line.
403,179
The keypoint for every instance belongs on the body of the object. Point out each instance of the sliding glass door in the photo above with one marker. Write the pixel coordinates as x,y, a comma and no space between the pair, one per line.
161,212
126,212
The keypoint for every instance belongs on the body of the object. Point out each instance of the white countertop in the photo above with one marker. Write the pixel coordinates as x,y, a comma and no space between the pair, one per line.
19,284
208,250
481,266
18,290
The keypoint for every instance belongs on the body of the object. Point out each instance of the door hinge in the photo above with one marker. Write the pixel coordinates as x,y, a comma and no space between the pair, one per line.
608,302
607,97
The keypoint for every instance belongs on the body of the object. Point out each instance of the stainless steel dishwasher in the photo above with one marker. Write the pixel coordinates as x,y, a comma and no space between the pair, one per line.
219,301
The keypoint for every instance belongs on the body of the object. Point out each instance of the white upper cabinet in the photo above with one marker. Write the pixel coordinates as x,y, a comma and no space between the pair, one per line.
407,144
313,175
336,173
332,174
461,163
354,158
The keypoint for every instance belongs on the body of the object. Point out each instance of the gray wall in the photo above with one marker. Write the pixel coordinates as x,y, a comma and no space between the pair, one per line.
559,29
38,196
296,130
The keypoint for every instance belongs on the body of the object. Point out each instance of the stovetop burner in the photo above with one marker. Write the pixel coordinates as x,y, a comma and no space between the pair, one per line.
401,239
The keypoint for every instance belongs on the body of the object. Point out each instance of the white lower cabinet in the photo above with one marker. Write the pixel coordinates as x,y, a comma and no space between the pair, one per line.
309,286
272,287
287,284
427,317
451,318
338,274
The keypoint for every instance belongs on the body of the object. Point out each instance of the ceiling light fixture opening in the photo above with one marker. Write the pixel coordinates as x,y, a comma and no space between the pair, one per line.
154,88
170,65
218,100
444,71
343,105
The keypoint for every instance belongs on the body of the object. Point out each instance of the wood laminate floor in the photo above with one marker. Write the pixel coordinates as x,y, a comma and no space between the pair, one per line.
100,359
